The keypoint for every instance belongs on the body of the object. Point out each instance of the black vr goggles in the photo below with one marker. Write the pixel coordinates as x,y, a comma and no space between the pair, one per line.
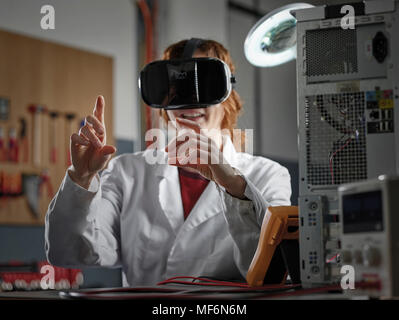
187,82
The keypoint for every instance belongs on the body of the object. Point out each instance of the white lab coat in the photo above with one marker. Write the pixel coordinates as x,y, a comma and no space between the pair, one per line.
132,217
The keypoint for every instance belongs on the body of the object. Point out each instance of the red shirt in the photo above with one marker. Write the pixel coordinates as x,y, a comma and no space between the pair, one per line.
191,187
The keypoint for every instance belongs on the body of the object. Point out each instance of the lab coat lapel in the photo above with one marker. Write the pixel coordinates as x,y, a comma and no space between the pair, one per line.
169,196
208,205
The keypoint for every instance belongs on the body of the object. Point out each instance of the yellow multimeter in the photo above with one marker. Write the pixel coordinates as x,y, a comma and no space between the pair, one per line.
280,230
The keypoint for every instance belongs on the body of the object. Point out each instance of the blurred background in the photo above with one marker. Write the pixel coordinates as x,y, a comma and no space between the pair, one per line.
99,47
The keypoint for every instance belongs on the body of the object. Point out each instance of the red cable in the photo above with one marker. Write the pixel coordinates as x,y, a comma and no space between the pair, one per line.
332,157
200,283
211,282
238,288
145,11
178,294
204,280
155,10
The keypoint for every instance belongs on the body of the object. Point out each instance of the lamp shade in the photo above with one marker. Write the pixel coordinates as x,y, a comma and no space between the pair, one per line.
272,40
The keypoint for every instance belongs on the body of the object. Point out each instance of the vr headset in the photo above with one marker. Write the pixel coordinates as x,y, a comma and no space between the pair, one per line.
187,82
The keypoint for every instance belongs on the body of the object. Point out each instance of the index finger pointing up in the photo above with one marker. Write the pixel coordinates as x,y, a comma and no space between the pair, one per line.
98,111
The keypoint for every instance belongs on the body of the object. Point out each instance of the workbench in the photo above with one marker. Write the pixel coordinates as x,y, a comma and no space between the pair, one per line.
168,292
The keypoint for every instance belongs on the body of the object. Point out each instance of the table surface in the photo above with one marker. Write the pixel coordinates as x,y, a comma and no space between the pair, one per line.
175,292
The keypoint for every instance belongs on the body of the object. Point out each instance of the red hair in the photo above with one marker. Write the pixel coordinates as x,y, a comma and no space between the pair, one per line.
233,104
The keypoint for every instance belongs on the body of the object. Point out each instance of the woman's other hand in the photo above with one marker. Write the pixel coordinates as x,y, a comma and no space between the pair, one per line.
201,153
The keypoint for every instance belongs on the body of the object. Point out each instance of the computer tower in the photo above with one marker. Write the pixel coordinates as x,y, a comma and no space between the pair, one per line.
347,90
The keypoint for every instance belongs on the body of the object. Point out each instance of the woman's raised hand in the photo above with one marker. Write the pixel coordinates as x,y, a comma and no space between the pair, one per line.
89,150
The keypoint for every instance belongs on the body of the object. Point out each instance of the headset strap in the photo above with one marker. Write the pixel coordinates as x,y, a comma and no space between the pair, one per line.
190,47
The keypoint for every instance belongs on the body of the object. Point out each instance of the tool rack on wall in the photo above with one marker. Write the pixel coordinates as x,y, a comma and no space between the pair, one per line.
46,90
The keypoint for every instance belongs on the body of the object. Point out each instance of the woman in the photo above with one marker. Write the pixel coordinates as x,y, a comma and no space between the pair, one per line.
157,221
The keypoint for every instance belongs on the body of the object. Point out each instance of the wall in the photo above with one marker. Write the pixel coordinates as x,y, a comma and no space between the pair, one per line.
183,19
102,26
273,113
238,26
